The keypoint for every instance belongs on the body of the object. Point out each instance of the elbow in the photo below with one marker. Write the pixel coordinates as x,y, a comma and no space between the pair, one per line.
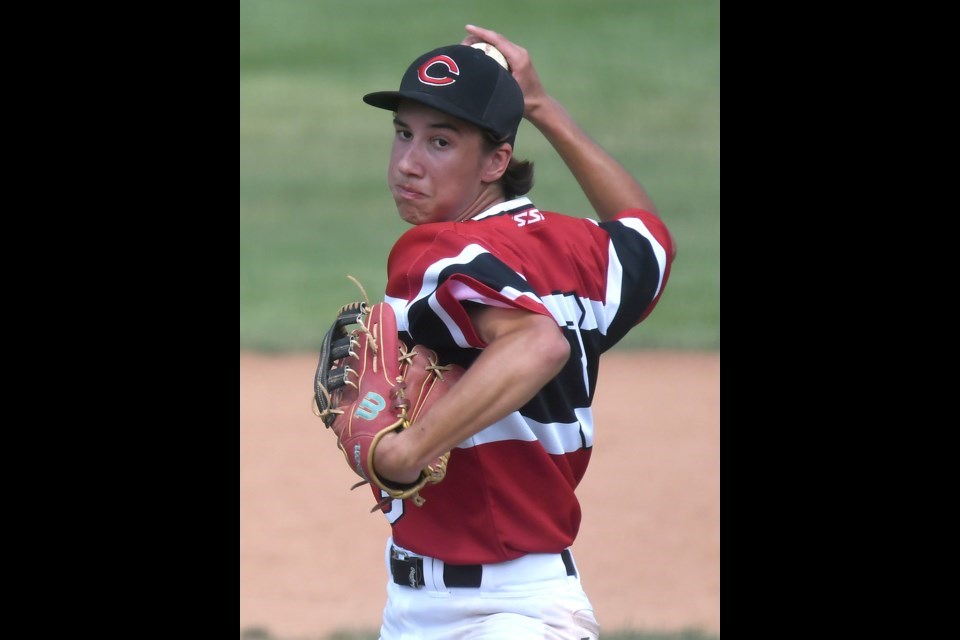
555,351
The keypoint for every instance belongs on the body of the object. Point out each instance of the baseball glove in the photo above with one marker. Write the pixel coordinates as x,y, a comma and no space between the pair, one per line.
368,384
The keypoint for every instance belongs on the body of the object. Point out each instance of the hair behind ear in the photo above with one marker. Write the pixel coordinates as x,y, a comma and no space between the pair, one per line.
517,180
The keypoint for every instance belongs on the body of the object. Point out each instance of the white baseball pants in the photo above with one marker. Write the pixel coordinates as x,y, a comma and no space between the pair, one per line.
529,598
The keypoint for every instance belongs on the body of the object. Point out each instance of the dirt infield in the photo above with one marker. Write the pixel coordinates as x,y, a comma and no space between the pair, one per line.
648,549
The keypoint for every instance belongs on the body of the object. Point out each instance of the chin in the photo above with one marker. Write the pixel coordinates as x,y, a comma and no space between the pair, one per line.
408,215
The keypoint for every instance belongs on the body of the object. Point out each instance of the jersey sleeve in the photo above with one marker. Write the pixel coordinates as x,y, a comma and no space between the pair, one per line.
641,254
434,269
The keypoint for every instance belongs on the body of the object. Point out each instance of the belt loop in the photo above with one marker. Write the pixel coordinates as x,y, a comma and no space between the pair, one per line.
463,576
568,562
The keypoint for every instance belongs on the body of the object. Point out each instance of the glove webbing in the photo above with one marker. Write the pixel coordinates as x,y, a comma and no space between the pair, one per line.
337,344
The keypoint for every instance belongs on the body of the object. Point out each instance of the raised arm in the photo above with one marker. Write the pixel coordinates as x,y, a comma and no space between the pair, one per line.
608,186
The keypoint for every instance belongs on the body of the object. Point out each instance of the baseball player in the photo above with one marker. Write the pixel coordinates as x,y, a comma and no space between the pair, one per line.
526,301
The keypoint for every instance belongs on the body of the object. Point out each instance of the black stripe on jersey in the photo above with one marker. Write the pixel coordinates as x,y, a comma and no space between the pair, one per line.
428,329
554,402
558,399
641,276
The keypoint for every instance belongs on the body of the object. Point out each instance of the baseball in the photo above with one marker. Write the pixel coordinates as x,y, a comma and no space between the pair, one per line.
493,52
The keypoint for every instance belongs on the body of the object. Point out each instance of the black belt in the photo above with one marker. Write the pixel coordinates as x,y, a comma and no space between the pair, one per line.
408,571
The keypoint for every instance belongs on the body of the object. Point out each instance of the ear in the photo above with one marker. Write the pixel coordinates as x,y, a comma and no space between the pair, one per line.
496,163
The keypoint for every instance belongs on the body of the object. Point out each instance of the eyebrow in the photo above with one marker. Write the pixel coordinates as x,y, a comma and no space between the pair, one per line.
437,125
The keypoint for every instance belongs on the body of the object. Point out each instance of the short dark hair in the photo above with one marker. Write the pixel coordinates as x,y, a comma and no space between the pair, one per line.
517,180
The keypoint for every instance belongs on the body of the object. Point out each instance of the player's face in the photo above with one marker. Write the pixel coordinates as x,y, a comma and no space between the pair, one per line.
436,166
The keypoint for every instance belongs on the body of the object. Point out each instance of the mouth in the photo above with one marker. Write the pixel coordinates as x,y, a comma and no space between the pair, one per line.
406,192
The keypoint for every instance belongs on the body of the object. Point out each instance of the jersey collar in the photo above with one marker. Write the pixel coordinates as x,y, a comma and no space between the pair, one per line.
503,207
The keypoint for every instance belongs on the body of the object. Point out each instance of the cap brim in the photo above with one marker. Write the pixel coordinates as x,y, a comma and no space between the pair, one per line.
383,99
390,100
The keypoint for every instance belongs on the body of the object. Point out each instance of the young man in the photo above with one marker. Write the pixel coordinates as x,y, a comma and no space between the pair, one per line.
527,300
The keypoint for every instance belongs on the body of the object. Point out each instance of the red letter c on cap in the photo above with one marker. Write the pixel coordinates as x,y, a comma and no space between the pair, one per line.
439,80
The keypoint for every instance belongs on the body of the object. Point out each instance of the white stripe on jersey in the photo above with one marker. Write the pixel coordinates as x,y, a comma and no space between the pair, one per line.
569,316
637,225
513,294
509,205
452,326
556,438
464,292
615,270
614,289
400,309
461,292
430,279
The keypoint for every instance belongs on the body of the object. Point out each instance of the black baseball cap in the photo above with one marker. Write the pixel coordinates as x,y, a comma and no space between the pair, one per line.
464,82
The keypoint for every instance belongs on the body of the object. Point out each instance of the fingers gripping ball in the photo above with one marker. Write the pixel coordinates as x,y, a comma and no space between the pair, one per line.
368,384
493,52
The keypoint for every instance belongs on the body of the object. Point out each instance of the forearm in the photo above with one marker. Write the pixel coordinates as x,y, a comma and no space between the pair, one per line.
609,187
496,384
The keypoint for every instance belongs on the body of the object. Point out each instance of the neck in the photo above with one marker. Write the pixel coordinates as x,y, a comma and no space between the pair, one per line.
487,198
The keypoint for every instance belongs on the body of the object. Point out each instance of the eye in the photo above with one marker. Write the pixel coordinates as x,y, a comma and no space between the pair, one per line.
441,143
403,134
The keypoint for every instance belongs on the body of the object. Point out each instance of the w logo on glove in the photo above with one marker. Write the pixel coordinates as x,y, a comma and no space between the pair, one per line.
371,406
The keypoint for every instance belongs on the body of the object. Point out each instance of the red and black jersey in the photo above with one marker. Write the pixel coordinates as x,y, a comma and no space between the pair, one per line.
509,490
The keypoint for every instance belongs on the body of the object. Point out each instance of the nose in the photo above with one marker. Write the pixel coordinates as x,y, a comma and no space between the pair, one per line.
408,162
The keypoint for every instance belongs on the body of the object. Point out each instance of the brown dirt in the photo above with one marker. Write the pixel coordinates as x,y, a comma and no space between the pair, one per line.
311,556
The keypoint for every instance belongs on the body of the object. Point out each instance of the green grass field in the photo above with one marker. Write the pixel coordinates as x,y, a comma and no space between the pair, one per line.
642,77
